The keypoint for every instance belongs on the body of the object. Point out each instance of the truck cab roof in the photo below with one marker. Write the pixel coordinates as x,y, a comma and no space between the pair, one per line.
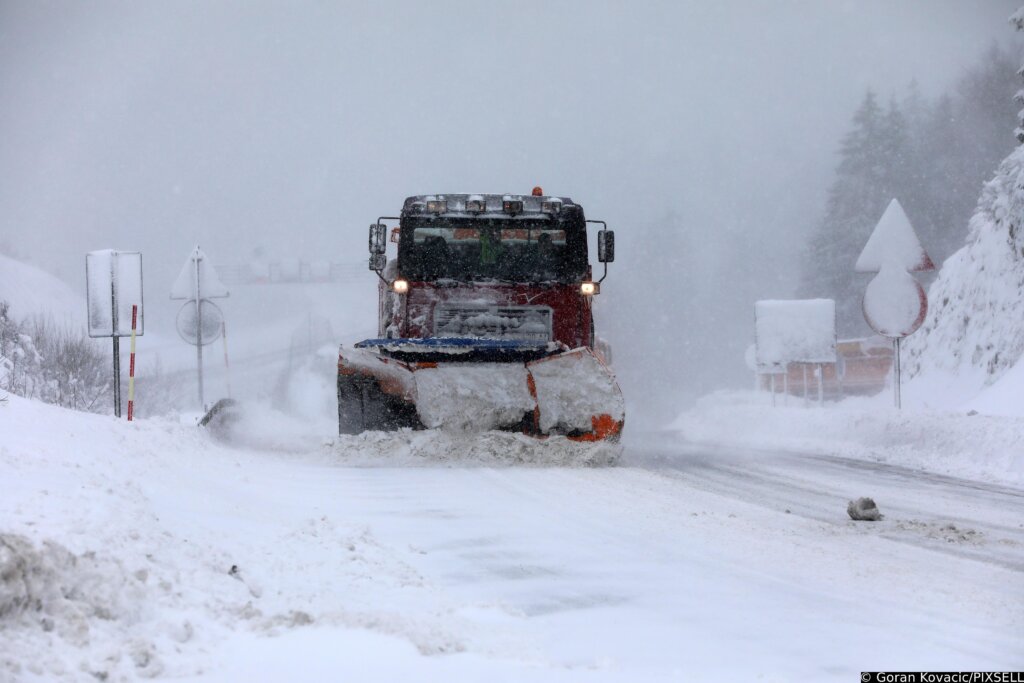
485,204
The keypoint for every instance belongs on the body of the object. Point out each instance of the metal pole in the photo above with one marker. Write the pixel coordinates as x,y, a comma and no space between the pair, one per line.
227,368
199,333
896,372
117,340
117,376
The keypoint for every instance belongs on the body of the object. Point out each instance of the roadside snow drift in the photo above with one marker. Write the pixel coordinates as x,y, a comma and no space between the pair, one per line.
975,446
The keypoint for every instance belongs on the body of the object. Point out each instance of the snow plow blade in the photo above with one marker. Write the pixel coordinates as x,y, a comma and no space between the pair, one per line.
221,416
474,385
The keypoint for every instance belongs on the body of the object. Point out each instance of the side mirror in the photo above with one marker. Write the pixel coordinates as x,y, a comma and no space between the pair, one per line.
605,246
378,261
378,238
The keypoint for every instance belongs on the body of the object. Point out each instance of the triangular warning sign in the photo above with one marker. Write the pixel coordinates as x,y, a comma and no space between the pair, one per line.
198,272
893,239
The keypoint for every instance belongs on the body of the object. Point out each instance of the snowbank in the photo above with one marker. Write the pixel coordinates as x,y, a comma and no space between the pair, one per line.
134,550
49,594
1004,397
489,449
262,428
985,447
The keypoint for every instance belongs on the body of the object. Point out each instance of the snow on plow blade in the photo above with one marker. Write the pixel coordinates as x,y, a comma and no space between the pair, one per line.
478,385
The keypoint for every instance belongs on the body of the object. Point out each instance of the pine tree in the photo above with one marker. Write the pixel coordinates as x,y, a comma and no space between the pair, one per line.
944,208
866,180
933,157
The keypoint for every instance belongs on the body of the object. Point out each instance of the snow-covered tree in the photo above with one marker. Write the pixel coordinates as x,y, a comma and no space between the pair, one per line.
975,321
58,365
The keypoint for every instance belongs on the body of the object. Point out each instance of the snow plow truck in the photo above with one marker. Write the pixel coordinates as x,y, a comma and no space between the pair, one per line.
485,322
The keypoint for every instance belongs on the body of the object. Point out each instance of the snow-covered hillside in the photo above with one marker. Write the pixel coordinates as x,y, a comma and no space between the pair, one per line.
30,291
974,332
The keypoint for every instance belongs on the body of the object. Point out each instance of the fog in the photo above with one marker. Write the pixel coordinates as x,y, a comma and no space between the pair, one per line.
289,127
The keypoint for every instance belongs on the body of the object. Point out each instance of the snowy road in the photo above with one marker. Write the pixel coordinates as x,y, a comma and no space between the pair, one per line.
682,564
671,567
960,517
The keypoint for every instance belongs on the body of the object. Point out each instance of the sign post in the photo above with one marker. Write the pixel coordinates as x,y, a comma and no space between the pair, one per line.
199,320
113,282
227,368
894,304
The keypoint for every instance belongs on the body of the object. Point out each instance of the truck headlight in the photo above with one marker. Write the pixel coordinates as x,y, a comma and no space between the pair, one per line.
590,288
400,286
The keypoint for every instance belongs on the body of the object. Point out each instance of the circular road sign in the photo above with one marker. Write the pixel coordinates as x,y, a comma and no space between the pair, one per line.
895,304
213,320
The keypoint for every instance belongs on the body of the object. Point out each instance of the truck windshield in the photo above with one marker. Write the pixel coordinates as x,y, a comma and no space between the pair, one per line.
496,249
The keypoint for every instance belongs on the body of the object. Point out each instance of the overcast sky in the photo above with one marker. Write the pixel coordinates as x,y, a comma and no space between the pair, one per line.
291,126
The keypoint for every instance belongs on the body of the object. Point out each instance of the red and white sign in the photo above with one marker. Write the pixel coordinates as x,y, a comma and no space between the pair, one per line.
893,239
895,304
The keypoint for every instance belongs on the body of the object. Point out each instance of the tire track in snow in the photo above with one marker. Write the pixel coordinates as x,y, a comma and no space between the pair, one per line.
963,518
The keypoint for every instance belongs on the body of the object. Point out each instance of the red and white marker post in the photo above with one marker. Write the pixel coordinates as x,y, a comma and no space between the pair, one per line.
131,365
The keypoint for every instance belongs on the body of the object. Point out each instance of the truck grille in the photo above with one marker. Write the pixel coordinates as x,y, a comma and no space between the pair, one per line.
530,323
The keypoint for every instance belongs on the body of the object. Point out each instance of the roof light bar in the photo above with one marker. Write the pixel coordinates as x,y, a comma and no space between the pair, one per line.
476,204
437,205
